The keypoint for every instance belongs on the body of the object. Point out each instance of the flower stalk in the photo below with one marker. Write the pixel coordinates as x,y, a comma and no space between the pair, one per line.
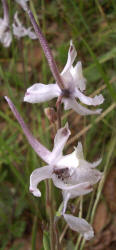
71,173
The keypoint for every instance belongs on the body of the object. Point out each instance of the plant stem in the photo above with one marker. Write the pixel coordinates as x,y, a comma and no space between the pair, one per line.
49,207
58,106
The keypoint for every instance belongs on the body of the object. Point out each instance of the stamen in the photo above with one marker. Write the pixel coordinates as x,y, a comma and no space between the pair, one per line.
65,92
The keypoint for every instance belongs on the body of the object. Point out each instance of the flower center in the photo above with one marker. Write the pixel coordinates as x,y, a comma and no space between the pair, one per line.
62,173
65,92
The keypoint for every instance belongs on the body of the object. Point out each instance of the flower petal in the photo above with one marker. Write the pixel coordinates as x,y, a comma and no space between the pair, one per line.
97,100
84,163
60,140
81,189
72,104
43,152
37,176
5,34
23,3
67,186
71,57
6,39
79,151
78,78
31,33
39,92
79,225
85,174
68,81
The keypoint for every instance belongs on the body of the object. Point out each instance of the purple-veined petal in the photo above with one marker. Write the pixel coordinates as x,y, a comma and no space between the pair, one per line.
71,57
78,78
97,100
39,92
43,152
60,140
78,108
81,189
37,176
79,225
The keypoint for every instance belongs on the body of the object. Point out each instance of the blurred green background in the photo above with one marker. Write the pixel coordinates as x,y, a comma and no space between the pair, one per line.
92,27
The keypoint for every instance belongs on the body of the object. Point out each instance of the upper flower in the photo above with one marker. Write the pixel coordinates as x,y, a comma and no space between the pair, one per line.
20,31
74,85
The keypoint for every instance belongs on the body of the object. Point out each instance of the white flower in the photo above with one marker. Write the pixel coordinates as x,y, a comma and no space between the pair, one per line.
74,84
79,225
70,172
20,31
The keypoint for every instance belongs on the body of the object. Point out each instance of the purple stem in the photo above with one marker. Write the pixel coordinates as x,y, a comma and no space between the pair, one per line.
6,14
43,152
46,50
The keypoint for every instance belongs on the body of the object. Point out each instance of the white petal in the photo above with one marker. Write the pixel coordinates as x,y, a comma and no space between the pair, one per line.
23,3
97,100
5,34
79,225
71,57
39,92
3,26
37,176
63,185
31,33
6,39
68,81
79,151
71,161
78,78
84,163
85,174
72,104
81,189
60,140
